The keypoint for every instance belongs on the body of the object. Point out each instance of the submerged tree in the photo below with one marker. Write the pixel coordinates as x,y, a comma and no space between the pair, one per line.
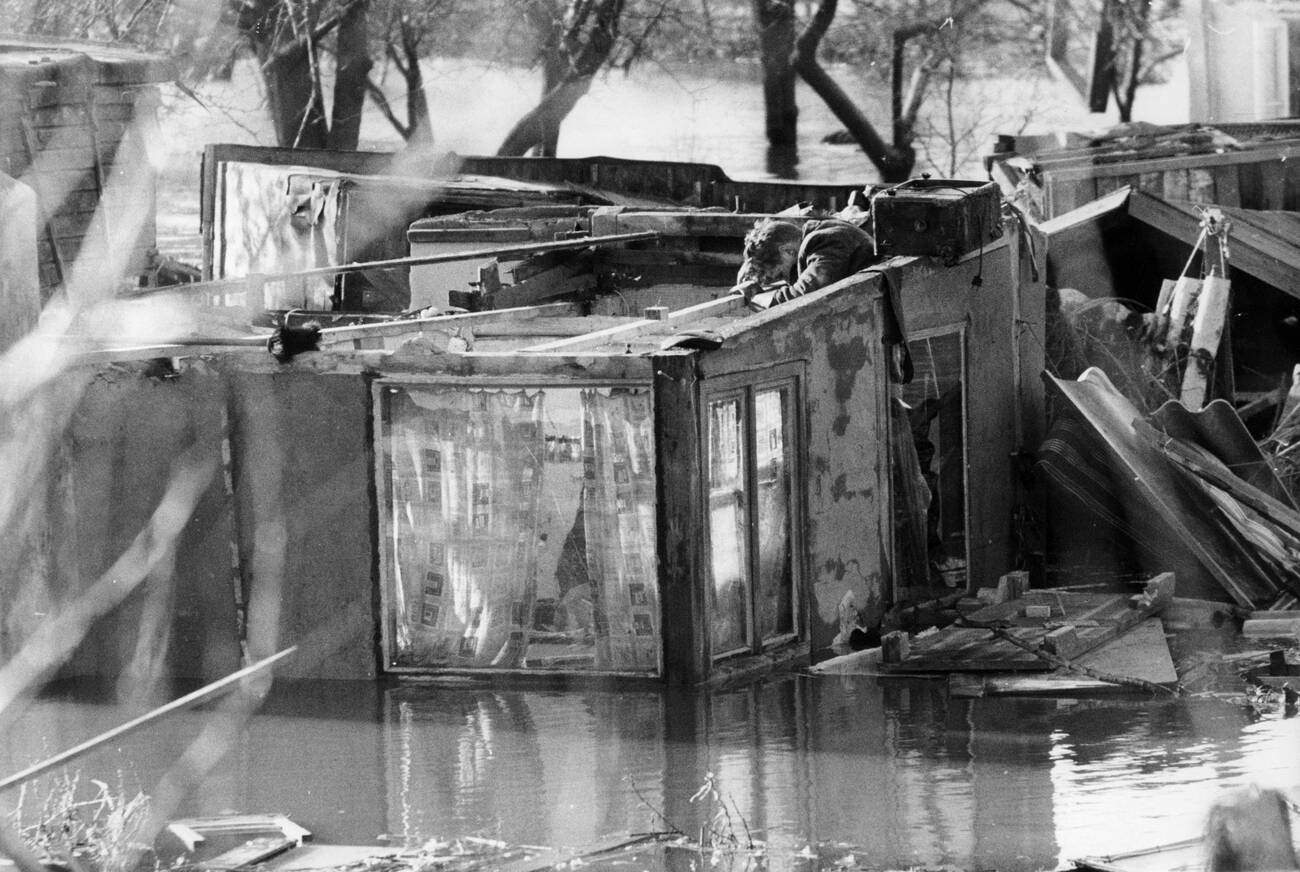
894,158
289,41
776,33
405,31
575,40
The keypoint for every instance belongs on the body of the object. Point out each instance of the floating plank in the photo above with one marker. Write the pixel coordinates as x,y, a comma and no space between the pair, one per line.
250,853
1077,623
1185,856
1141,654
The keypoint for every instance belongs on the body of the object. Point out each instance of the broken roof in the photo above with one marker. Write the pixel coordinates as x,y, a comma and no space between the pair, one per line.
1264,243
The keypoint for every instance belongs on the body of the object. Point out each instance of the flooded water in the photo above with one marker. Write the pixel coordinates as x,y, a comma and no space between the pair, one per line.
894,772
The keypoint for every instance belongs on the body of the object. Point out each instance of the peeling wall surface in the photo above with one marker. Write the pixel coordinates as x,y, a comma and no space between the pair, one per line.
847,532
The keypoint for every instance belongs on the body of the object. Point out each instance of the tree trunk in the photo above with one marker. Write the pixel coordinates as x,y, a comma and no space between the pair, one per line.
571,58
894,165
544,119
553,69
297,109
776,32
350,79
420,126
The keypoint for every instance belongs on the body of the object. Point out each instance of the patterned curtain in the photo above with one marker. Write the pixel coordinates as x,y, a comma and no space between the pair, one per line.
466,476
619,526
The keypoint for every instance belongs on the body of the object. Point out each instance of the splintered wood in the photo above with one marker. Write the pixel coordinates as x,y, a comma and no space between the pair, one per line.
1063,624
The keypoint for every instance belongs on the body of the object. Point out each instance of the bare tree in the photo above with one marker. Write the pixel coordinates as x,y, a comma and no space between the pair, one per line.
405,33
893,162
289,39
776,34
575,40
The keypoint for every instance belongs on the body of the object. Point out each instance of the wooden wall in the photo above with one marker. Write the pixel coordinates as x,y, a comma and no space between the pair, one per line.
1003,319
847,530
278,549
1262,177
68,130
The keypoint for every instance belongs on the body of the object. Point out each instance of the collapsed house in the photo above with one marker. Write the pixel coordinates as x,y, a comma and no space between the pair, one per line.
626,471
1173,255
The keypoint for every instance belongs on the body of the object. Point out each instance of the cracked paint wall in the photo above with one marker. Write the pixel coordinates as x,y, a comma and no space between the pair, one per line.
847,533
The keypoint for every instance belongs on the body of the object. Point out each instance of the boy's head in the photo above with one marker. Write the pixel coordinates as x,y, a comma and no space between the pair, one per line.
771,249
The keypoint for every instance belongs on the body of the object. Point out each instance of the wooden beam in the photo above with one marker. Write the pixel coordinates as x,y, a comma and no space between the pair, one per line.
1090,170
709,309
198,697
351,333
474,254
1269,260
681,517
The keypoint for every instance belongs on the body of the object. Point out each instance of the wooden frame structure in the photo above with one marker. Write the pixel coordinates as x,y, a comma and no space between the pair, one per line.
304,439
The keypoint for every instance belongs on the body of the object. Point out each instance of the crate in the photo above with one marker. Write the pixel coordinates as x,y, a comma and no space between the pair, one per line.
943,218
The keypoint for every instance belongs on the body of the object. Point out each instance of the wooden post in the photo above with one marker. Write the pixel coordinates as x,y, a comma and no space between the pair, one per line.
681,518
894,647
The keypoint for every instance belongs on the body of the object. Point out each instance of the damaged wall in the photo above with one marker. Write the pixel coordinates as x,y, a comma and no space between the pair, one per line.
292,487
847,531
1002,320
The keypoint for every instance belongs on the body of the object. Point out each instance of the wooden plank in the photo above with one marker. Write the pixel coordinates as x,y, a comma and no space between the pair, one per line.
1174,185
1184,456
576,325
1142,653
560,281
248,854
1200,185
1152,183
1250,182
1273,153
1227,192
1253,252
331,335
1291,187
1077,623
680,515
688,224
1273,179
689,315
669,257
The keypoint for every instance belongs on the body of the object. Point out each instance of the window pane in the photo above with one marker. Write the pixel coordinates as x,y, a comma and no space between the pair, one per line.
728,526
522,528
772,453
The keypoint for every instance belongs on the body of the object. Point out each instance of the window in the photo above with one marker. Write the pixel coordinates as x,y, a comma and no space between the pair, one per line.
751,457
519,527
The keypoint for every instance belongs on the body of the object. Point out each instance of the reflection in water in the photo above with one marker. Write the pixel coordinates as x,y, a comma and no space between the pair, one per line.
894,771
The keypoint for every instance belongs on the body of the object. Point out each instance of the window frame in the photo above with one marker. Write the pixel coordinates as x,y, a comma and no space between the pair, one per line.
383,497
745,386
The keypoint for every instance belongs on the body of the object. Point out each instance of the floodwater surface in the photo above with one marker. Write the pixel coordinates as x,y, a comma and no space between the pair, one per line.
894,772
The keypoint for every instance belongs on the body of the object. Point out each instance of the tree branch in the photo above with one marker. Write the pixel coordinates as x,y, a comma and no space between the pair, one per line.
385,108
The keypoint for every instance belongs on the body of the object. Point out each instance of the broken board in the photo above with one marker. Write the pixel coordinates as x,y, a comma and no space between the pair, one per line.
1142,653
1075,623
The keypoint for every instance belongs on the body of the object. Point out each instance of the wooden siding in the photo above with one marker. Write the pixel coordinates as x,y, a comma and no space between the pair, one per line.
65,122
1261,177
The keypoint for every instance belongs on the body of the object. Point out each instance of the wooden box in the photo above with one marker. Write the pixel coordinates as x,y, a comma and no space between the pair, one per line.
943,218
